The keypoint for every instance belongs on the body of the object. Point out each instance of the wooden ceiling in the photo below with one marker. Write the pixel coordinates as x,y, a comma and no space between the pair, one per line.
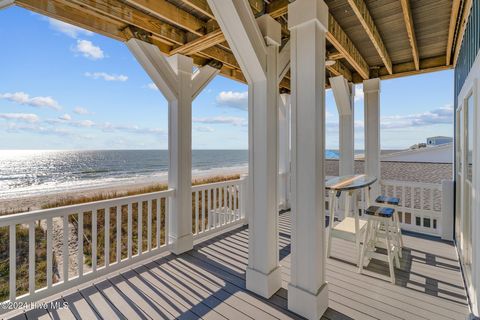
366,38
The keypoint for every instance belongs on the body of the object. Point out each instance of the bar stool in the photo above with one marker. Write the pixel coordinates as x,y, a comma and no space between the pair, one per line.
392,202
379,233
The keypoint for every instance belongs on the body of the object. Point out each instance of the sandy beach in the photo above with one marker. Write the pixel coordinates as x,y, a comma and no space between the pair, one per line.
31,203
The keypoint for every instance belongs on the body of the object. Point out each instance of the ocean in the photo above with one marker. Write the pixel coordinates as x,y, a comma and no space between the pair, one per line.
35,172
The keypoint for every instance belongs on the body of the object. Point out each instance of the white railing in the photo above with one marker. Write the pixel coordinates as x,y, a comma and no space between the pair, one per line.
218,206
94,238
420,206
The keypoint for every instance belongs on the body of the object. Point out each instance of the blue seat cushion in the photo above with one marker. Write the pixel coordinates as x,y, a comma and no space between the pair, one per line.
388,200
380,211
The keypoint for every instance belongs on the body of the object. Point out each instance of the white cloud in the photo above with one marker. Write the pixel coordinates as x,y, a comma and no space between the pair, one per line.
106,76
68,29
25,117
109,127
39,129
84,123
82,111
65,117
203,129
236,121
152,86
443,115
233,99
89,50
359,94
25,99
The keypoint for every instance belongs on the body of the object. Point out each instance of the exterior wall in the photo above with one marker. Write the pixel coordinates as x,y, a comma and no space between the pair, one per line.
467,77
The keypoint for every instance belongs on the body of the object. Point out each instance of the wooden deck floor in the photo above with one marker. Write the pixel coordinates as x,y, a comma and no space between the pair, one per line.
209,283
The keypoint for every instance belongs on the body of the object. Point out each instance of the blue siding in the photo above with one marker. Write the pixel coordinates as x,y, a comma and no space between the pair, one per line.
469,49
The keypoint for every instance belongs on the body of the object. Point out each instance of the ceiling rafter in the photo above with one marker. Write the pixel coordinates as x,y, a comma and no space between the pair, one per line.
452,28
407,17
339,69
363,14
463,25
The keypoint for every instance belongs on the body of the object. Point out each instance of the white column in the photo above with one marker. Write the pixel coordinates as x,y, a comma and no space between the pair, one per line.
175,79
308,290
4,4
255,44
284,150
371,89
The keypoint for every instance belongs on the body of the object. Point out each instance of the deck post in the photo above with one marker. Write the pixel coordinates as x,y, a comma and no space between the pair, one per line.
174,77
371,89
308,289
344,94
255,44
284,150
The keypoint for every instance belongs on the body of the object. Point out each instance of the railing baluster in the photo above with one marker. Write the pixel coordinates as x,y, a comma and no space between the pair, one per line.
119,234
204,192
225,206
159,221
149,225
13,262
232,207
107,237
140,228
196,212
235,206
80,245
49,252
129,236
31,257
65,252
209,207
167,220
214,209
94,240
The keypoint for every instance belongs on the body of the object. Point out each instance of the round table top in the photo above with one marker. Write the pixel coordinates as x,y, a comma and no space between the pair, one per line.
350,182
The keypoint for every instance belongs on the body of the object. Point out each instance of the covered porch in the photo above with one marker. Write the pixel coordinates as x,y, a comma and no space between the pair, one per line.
208,282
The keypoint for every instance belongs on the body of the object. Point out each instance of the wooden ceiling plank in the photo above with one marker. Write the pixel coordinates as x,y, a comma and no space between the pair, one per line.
407,17
408,68
132,16
200,5
277,8
463,25
451,29
339,39
172,14
361,11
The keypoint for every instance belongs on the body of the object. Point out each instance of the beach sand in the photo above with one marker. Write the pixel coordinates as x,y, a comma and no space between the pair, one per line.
31,203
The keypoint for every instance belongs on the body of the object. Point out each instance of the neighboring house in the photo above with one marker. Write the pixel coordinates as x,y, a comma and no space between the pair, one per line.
442,153
438,140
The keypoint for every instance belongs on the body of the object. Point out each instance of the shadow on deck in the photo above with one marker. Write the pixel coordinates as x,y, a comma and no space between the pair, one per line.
209,283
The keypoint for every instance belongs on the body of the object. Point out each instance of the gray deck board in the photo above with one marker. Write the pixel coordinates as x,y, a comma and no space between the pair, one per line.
209,283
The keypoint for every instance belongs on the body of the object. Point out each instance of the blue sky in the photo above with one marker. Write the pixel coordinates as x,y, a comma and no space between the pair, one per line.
62,87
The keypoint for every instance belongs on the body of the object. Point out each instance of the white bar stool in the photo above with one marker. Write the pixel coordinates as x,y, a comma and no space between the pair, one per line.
379,233
392,202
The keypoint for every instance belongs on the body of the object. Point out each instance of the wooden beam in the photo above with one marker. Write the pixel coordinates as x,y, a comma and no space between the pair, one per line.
200,5
408,68
201,43
339,69
407,17
361,11
132,16
172,14
463,25
339,39
69,14
277,8
451,29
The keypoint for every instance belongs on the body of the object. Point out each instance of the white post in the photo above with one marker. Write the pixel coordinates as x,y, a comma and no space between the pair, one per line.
4,4
284,150
308,289
447,220
255,44
371,89
175,79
